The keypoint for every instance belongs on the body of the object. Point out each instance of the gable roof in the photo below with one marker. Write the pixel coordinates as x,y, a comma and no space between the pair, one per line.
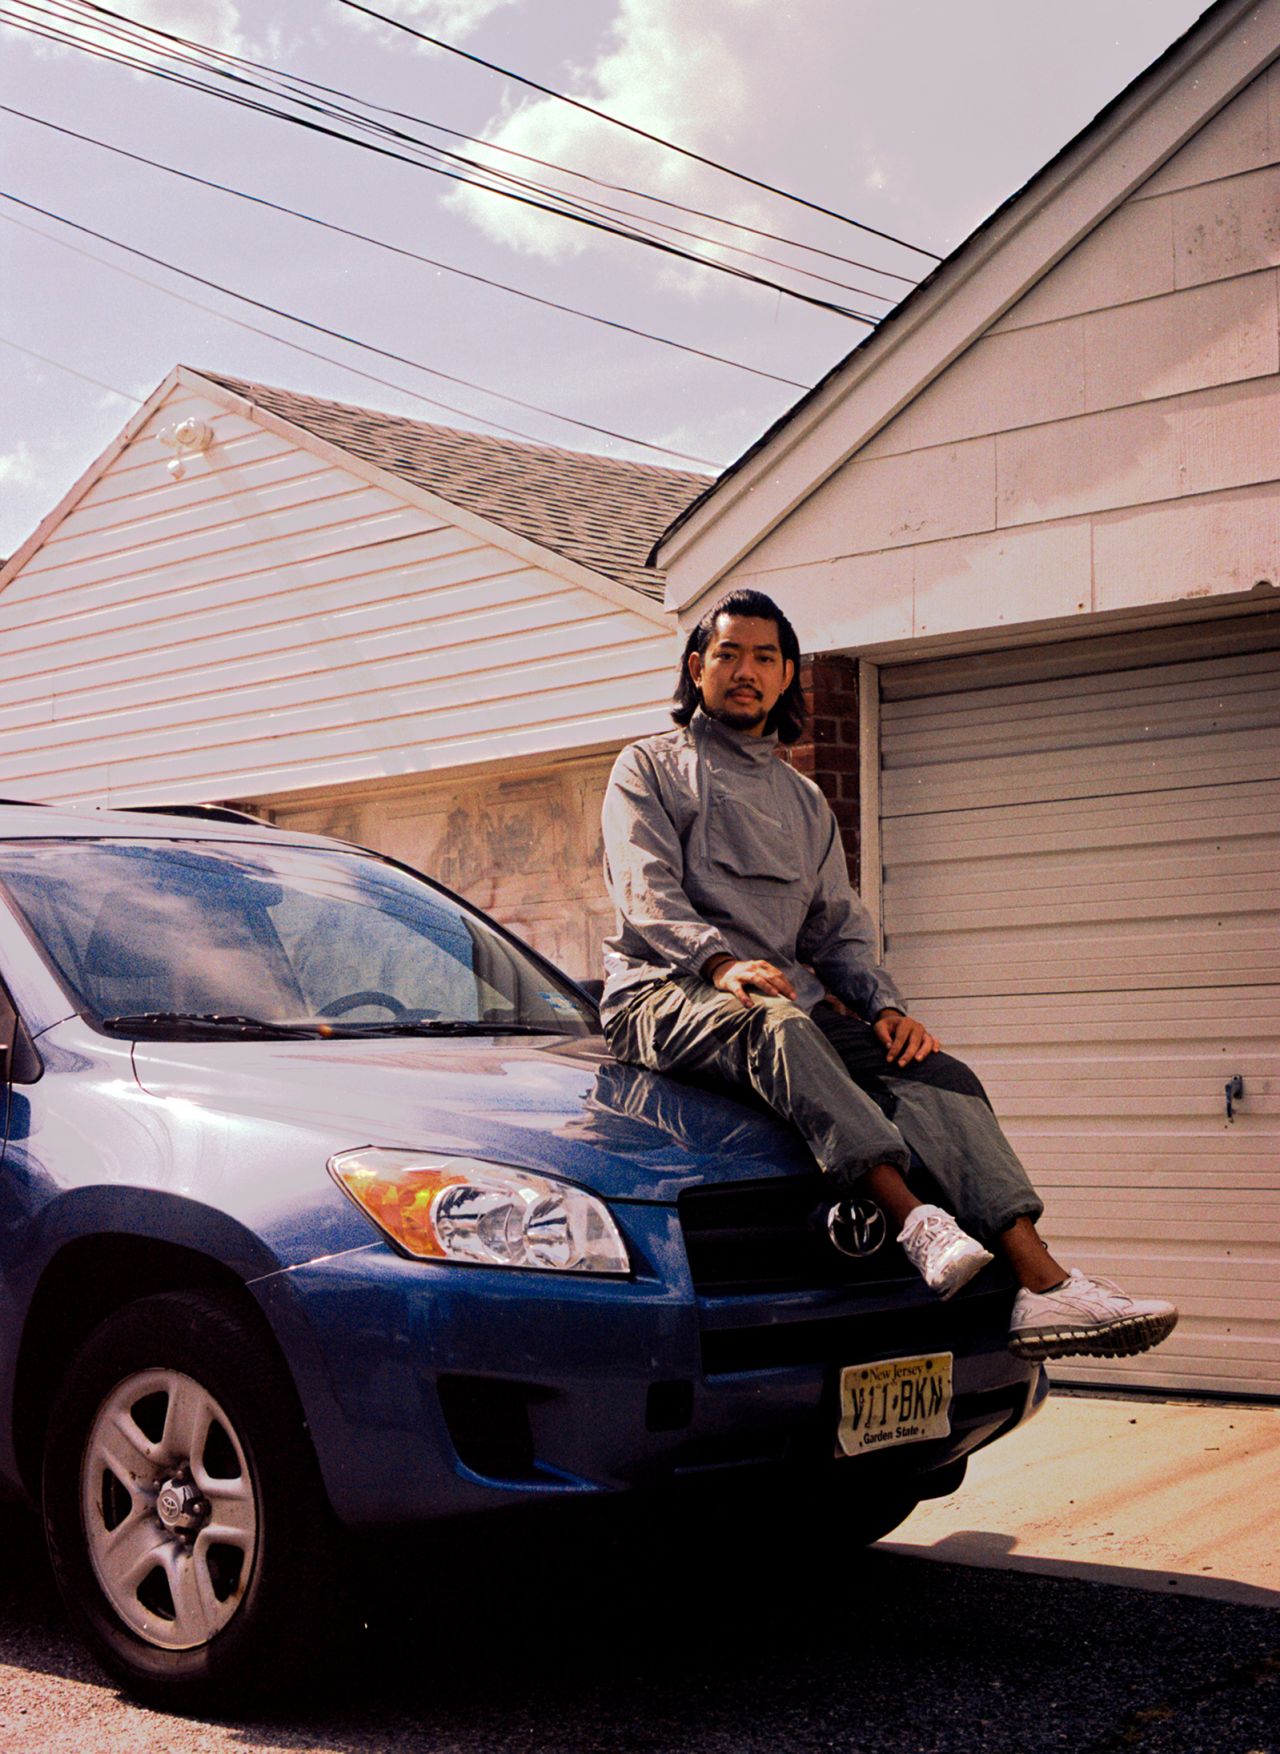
603,513
1137,132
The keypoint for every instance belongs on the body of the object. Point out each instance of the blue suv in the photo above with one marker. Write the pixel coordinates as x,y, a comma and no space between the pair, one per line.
324,1211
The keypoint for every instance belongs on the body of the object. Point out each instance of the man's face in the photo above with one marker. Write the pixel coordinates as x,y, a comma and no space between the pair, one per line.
742,673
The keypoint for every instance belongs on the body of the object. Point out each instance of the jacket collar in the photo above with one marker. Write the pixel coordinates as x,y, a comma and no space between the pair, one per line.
753,751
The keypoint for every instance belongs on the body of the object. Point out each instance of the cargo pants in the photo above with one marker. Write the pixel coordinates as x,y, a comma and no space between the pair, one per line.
827,1074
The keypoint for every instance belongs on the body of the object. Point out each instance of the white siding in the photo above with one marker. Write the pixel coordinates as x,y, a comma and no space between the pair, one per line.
1080,857
274,621
1133,391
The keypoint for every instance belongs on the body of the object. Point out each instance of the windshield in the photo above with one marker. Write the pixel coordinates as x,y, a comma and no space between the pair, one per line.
152,935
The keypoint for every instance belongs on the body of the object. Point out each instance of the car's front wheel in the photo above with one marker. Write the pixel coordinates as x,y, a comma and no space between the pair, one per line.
185,1518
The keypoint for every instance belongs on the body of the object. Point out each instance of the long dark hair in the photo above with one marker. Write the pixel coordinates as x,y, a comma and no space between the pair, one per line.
789,716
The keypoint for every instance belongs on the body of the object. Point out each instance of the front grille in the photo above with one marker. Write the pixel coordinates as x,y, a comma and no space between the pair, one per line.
844,1338
757,1240
752,1237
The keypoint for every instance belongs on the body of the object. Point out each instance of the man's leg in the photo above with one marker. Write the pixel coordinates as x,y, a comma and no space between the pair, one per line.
687,1025
943,1113
939,1106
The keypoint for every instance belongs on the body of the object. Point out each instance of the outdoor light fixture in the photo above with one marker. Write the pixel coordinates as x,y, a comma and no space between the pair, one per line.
186,438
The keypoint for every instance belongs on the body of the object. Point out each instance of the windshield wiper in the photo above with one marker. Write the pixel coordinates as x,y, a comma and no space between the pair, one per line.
209,1023
443,1026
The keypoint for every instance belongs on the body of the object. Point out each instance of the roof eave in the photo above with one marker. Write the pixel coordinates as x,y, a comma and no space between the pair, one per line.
76,492
522,547
983,278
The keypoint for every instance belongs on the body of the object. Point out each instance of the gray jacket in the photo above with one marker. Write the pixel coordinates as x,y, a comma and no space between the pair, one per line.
714,847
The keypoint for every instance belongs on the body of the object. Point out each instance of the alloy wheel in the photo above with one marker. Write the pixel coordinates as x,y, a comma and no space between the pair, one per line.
170,1509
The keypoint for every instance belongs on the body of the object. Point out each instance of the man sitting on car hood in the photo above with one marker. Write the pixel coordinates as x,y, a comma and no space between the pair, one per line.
737,926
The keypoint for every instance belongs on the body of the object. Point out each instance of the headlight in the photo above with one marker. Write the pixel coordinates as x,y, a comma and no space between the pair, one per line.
443,1208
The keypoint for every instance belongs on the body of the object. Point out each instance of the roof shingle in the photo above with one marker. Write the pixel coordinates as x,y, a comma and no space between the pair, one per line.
603,513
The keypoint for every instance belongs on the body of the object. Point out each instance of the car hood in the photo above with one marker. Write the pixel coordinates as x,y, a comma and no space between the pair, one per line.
560,1105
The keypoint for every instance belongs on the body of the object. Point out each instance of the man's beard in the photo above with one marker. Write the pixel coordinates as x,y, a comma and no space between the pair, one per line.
739,718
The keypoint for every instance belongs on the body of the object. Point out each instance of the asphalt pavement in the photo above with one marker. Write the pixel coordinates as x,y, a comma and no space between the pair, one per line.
748,1631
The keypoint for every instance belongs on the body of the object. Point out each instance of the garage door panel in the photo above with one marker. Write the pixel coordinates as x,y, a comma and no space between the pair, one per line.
990,964
1125,714
1017,779
1200,1275
1074,1024
1188,1104
1204,869
1130,1175
1233,637
1225,1210
1185,818
1081,854
1157,903
1081,669
1213,1366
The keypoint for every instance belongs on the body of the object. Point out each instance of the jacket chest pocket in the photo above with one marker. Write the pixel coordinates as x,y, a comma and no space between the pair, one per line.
748,846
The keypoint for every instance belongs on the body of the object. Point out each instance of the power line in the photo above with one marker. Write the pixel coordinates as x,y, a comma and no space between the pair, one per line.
631,128
268,334
58,365
575,206
397,249
351,340
297,79
573,211
581,208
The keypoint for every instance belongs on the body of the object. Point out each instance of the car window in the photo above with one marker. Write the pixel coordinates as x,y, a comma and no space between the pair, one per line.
285,934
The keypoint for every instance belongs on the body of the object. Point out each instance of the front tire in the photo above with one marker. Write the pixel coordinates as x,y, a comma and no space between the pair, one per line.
185,1517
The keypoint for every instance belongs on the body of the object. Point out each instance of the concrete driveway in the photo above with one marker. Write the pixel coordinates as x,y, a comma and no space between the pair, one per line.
1157,1495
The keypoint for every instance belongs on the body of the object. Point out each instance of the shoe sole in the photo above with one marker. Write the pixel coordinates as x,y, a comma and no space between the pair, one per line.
969,1268
1121,1338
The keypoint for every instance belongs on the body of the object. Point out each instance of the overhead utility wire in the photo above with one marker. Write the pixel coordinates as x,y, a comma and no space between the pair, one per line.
631,127
269,334
300,79
58,365
398,250
350,340
570,206
626,232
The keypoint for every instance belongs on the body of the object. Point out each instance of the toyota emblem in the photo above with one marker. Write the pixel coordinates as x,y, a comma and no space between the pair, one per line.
856,1227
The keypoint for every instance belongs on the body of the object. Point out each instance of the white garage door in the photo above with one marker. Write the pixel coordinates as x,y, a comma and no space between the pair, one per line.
1081,850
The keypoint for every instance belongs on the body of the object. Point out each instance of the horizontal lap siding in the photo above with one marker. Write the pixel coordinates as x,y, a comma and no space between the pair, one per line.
1111,442
1081,896
273,621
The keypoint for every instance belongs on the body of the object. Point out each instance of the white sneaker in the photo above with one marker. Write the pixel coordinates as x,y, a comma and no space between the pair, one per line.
1089,1316
943,1255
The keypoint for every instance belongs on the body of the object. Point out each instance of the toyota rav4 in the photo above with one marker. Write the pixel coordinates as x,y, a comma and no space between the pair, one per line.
324,1211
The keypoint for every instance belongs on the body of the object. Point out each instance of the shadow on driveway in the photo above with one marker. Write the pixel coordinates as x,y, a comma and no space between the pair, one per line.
723,1633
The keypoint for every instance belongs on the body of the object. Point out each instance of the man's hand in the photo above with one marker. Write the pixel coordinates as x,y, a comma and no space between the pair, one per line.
743,978
904,1039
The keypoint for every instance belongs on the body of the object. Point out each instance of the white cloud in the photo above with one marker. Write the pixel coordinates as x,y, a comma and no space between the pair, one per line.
18,467
700,76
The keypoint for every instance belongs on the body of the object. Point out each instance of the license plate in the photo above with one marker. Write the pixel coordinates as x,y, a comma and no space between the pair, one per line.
901,1400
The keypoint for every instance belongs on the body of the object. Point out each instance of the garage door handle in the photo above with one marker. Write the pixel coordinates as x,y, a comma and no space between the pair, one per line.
1234,1088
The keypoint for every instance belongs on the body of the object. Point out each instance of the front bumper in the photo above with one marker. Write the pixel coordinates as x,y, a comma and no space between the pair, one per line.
435,1391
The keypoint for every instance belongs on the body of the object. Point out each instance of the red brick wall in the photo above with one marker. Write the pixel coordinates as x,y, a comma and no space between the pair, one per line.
829,752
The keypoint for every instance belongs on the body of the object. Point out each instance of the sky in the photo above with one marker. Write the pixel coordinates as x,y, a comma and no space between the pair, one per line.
914,117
